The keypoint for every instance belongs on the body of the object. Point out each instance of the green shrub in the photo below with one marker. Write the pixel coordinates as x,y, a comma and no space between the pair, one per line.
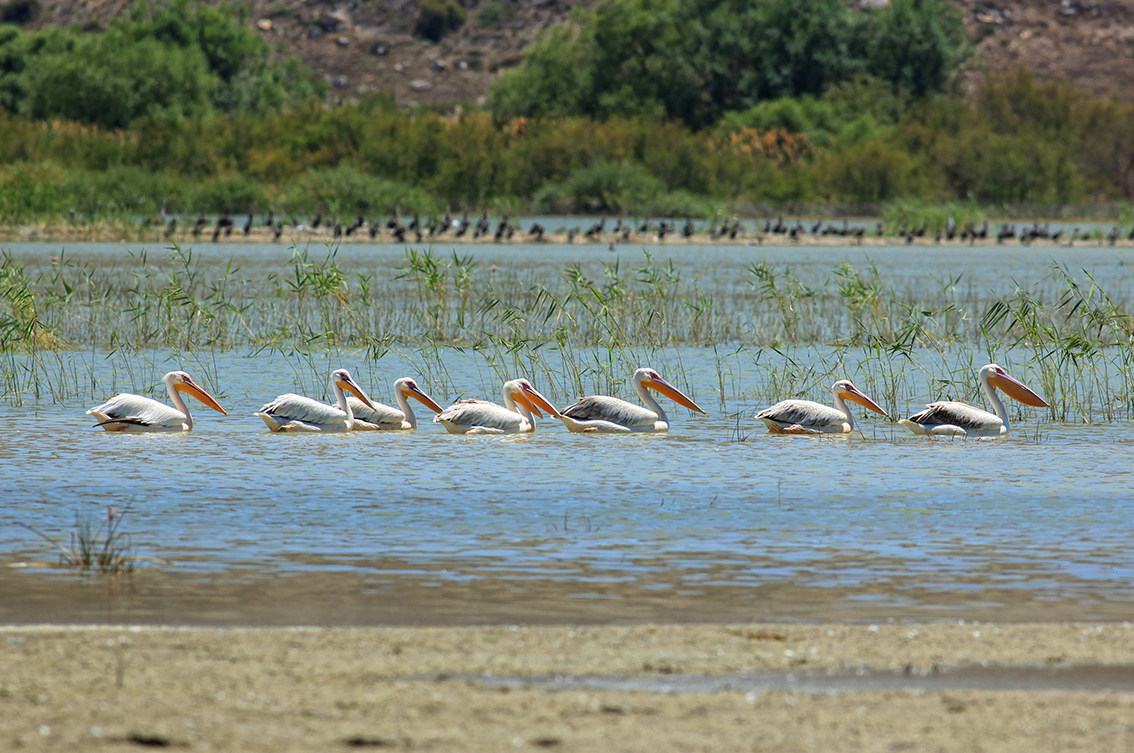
346,192
874,171
235,193
436,18
124,190
30,192
604,187
20,12
493,13
680,204
932,215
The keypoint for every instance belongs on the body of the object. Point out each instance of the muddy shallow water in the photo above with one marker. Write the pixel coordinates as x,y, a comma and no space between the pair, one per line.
716,521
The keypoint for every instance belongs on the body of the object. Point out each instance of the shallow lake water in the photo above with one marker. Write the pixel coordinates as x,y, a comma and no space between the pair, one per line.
715,521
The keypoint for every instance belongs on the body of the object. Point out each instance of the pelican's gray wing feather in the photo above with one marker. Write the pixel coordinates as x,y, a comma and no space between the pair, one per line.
803,413
135,409
947,413
380,414
293,407
612,410
479,413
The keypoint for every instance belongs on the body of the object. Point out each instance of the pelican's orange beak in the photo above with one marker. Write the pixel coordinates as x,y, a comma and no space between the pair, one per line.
350,385
855,395
525,400
1016,390
417,394
200,394
674,394
535,401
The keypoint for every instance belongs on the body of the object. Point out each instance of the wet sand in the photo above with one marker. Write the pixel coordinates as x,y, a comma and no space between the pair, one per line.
282,689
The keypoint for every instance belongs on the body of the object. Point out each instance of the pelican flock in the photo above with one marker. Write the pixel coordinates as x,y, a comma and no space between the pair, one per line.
948,418
129,412
600,413
523,404
294,413
807,417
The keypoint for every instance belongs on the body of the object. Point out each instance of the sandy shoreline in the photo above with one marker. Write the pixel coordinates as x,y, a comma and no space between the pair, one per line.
116,688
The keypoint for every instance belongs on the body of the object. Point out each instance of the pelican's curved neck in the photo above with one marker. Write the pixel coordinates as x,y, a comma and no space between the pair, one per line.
994,399
515,407
841,407
179,403
648,400
404,406
344,405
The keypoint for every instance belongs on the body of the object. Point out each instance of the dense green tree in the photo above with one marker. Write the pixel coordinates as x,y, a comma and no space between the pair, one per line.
168,60
247,80
916,44
18,49
620,58
695,60
104,81
777,48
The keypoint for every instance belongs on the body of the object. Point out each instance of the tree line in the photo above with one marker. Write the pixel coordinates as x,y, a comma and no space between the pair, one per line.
172,60
646,107
696,60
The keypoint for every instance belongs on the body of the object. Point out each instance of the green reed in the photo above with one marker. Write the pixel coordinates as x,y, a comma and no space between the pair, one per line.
103,548
579,330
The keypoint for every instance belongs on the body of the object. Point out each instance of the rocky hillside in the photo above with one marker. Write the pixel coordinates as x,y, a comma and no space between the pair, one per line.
1090,44
365,46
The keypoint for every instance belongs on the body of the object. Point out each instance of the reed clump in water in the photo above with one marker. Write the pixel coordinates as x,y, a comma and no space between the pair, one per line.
578,329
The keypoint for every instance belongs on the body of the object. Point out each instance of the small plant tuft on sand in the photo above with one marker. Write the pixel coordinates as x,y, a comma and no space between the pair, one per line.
104,548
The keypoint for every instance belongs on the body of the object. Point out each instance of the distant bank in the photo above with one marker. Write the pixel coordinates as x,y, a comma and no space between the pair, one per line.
862,232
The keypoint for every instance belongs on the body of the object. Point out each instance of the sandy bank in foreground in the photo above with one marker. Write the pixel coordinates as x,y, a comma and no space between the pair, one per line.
279,689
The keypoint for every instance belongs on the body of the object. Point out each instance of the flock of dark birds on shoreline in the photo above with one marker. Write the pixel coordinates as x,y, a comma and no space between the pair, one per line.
400,229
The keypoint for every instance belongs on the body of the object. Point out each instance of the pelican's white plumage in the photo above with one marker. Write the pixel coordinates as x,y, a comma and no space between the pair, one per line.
522,404
948,418
807,417
294,413
600,413
129,412
379,417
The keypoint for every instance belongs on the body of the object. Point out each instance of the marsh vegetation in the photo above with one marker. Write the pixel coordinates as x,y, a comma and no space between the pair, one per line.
104,548
767,329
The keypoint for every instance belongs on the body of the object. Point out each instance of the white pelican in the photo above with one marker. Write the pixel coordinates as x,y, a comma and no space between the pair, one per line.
298,413
127,412
599,413
807,417
383,417
957,419
522,403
